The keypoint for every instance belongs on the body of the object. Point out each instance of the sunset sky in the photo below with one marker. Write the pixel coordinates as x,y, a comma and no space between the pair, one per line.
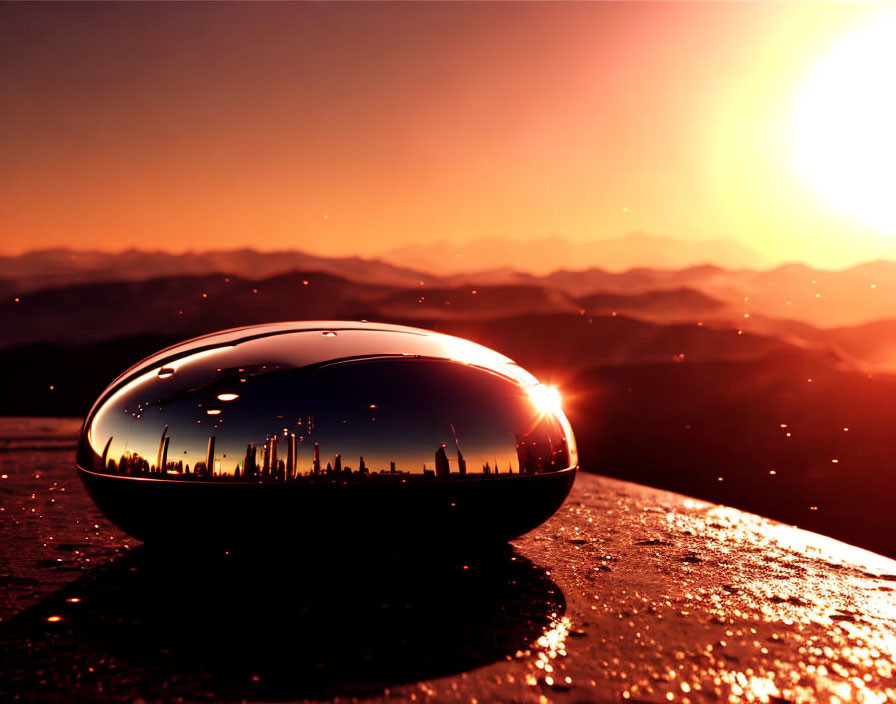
354,128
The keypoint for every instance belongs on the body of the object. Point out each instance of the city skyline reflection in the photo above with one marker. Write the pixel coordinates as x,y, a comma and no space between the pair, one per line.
265,408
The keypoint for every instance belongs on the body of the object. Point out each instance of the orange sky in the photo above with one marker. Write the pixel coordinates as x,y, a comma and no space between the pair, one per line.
352,128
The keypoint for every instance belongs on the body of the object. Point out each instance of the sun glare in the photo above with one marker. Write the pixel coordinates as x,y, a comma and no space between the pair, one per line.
845,139
547,399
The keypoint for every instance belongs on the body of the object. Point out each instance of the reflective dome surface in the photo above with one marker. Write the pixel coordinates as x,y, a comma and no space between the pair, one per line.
356,418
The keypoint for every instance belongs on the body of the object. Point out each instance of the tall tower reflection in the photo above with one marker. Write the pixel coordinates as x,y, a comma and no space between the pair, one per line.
159,466
270,465
442,468
250,468
210,457
163,465
461,462
291,457
104,459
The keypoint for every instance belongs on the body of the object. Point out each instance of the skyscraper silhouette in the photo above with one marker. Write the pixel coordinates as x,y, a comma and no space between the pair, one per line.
442,467
164,463
106,452
461,462
316,463
249,466
210,456
266,459
161,446
291,457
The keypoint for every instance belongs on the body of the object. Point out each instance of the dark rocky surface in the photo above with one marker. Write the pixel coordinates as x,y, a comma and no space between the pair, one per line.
628,593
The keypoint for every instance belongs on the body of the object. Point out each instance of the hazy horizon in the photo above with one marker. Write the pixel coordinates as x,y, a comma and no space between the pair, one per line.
394,256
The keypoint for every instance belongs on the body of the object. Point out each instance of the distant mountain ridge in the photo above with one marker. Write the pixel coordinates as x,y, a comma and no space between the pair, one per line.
190,305
655,325
859,295
61,267
544,255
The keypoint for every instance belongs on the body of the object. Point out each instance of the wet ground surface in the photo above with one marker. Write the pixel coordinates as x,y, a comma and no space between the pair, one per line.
628,593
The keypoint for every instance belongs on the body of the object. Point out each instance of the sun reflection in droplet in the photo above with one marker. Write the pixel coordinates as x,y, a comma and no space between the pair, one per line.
547,399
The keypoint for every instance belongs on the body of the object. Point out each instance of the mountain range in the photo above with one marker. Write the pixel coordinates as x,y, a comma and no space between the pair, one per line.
443,261
822,298
76,297
53,268
738,386
546,254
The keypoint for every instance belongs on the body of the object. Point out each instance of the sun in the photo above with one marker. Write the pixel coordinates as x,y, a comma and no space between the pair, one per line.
845,126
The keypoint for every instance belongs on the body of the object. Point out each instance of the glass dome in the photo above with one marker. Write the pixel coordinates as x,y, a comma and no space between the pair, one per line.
267,427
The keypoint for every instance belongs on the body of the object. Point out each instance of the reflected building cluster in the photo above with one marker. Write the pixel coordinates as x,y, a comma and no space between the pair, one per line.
538,453
277,460
244,412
